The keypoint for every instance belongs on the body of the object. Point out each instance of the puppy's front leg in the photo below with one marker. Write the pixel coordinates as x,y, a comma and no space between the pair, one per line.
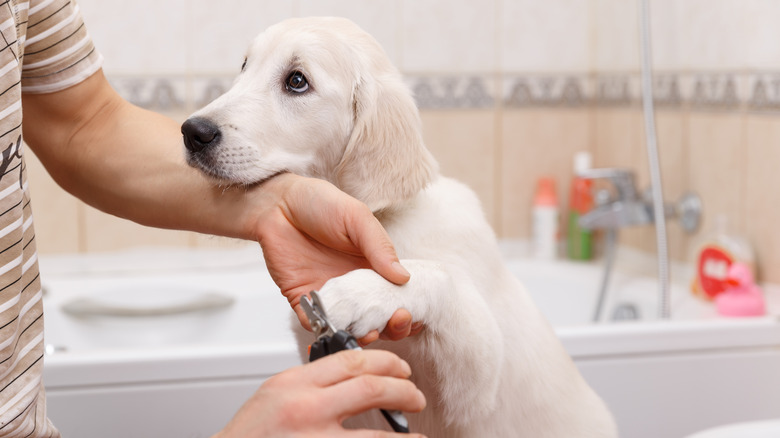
461,337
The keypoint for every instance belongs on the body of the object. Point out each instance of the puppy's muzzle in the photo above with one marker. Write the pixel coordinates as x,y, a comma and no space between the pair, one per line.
200,134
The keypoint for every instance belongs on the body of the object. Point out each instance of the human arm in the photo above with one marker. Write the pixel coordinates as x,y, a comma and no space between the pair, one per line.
313,400
128,162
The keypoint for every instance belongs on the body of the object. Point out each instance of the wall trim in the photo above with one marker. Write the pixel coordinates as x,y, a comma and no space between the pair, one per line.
724,91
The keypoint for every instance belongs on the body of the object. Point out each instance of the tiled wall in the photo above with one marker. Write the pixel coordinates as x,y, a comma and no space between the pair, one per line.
509,91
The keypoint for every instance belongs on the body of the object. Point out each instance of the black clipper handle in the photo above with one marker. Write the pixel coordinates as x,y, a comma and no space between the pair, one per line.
342,340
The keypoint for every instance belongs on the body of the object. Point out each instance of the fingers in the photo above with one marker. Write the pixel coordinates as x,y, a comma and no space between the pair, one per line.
372,336
371,239
302,317
348,364
377,434
341,222
399,326
367,392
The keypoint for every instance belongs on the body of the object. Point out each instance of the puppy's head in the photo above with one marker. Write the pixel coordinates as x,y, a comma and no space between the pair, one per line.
317,97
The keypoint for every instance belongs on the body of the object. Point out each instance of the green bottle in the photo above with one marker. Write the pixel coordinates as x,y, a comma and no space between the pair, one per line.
579,241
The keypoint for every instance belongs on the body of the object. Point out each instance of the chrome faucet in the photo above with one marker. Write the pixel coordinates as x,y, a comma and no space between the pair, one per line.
628,208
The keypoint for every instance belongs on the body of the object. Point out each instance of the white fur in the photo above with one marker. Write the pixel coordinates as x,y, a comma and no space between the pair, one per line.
487,360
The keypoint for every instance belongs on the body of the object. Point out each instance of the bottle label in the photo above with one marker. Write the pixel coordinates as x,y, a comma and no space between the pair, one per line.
545,232
579,240
712,270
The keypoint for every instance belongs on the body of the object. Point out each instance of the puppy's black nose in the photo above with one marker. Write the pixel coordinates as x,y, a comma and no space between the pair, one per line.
199,134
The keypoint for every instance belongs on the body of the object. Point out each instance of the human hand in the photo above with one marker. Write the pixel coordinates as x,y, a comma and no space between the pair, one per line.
313,400
314,232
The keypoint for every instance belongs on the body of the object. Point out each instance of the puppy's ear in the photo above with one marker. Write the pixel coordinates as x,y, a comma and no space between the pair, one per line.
385,160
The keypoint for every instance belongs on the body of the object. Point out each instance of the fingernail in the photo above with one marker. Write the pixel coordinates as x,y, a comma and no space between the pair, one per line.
402,326
372,336
398,267
422,396
406,368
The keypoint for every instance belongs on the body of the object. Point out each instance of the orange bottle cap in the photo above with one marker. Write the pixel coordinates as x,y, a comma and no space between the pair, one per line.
545,193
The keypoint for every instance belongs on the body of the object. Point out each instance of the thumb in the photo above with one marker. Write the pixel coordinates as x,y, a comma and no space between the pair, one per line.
373,242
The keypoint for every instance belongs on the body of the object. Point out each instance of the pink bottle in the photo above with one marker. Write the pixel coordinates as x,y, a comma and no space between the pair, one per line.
742,297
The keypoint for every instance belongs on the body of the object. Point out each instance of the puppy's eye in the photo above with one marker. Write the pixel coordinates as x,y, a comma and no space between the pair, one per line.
243,66
296,82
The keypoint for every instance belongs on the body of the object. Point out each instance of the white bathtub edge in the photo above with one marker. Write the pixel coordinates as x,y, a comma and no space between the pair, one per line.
177,364
630,338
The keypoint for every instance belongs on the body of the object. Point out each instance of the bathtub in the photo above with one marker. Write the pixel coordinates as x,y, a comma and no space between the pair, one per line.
160,343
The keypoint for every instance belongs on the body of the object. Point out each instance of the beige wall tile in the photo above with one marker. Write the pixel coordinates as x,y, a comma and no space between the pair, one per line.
762,209
224,31
712,37
717,165
619,142
139,37
381,19
55,211
671,128
544,36
615,25
665,34
760,43
459,36
464,143
537,143
104,232
673,151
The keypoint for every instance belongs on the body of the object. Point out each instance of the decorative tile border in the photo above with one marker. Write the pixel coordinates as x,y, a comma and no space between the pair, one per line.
697,91
451,92
765,92
615,90
176,94
667,90
159,94
715,91
546,91
207,89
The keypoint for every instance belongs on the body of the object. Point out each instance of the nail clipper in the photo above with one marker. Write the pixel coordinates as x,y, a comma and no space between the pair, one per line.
329,341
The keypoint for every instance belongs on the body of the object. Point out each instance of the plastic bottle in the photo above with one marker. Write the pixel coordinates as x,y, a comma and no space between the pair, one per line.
715,256
545,220
578,240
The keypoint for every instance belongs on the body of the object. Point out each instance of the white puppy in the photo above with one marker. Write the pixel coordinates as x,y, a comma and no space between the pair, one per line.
318,97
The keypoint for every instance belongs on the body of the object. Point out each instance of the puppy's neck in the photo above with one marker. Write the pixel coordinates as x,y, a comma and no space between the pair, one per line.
400,206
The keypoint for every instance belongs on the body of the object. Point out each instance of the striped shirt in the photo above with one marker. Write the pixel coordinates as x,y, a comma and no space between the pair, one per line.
44,48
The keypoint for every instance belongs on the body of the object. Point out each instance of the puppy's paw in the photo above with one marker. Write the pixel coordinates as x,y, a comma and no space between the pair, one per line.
360,301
